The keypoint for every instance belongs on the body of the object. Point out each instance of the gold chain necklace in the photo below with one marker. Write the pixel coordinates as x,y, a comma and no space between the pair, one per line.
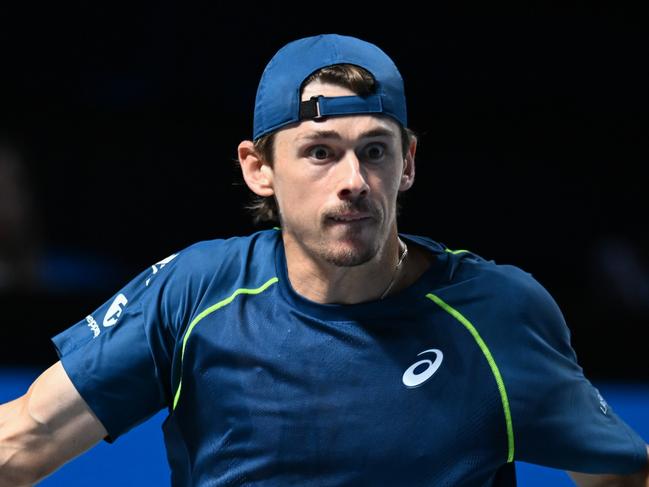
404,253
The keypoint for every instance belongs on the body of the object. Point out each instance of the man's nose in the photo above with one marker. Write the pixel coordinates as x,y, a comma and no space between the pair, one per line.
353,182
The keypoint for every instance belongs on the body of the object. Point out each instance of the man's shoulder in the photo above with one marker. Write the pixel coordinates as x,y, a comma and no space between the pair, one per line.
221,247
209,257
511,289
506,301
467,266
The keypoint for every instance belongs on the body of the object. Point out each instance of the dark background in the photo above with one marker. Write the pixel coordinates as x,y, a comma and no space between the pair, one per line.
119,126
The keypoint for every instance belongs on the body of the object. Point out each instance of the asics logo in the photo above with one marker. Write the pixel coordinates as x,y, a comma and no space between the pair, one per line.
412,379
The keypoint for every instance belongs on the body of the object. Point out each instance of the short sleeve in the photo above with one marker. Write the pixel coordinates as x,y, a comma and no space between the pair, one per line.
118,357
560,419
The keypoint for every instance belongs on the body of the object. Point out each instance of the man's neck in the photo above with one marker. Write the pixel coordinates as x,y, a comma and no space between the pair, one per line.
326,283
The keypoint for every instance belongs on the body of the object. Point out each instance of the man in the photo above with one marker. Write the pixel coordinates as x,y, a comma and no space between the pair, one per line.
331,350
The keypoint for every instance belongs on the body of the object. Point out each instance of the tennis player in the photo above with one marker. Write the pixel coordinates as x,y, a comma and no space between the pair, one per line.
331,350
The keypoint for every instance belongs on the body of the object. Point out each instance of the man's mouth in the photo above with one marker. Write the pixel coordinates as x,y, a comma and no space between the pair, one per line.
349,217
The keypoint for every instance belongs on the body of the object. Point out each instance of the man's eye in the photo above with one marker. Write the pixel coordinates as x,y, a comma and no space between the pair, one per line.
375,151
319,152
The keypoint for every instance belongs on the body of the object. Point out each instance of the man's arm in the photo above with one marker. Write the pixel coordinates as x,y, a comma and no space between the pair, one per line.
45,428
641,479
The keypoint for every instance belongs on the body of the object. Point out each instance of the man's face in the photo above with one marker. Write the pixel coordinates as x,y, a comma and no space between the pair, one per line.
336,182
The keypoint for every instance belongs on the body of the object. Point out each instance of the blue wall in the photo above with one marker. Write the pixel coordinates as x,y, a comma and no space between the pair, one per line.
139,459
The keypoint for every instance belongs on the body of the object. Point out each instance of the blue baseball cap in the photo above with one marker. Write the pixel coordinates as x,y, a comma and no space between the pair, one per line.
278,96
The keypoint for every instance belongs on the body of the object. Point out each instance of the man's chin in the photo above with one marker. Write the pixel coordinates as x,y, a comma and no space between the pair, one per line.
348,255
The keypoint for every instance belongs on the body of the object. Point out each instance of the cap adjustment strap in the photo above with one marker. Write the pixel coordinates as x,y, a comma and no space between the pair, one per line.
318,107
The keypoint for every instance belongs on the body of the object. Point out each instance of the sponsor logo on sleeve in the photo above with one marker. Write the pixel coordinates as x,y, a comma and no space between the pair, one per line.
115,310
603,406
94,327
421,371
158,266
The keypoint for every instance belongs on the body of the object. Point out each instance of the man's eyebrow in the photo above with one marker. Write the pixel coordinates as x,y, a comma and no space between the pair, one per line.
319,134
380,132
332,134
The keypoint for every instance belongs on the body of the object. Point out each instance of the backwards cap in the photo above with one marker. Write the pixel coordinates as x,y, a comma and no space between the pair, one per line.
278,96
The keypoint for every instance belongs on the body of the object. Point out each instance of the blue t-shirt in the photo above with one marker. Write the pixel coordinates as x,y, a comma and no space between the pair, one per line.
445,383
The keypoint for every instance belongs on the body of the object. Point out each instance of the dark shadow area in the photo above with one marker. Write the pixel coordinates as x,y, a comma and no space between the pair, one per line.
119,126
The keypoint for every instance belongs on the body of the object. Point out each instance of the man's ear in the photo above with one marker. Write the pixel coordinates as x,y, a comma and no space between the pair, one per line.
408,173
257,173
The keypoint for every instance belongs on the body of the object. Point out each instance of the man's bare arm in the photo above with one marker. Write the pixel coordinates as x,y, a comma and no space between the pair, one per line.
45,428
641,479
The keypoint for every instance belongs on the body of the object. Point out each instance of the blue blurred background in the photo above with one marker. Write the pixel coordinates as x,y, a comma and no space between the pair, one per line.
118,133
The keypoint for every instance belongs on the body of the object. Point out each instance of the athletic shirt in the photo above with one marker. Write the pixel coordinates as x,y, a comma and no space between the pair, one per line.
445,383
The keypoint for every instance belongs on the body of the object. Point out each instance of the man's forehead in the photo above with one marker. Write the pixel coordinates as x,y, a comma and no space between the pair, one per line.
357,127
